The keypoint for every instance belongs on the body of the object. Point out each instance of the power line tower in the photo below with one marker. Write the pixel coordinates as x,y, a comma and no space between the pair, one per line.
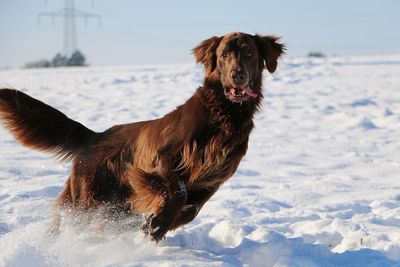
70,14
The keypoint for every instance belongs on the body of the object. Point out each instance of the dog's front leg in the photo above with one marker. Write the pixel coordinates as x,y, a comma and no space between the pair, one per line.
174,203
195,201
176,193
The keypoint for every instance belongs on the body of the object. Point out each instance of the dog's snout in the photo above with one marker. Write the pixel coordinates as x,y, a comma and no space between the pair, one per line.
238,76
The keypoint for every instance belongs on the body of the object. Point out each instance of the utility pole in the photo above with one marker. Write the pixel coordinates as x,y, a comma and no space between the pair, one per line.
70,14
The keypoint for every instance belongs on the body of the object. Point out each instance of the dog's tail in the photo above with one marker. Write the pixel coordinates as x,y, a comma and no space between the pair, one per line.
41,127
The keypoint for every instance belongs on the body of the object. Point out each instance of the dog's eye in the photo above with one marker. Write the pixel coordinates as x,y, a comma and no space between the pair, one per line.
224,54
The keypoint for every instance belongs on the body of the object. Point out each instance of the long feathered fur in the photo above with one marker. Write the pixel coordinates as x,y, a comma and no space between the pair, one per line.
39,126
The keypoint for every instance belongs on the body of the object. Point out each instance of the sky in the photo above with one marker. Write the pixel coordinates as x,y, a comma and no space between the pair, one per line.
165,31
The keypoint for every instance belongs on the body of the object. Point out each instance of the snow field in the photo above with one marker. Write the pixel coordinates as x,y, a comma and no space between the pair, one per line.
319,185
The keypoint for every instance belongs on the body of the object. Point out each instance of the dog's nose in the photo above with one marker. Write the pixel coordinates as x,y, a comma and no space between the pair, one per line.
238,76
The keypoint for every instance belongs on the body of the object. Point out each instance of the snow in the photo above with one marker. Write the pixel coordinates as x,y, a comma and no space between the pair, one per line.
319,185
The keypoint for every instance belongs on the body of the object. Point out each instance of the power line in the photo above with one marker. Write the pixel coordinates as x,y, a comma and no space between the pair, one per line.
70,14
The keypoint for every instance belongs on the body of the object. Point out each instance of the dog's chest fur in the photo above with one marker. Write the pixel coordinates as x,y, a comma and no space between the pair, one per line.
208,166
206,154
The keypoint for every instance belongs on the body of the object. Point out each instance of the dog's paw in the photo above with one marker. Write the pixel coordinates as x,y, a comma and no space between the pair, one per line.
155,227
158,229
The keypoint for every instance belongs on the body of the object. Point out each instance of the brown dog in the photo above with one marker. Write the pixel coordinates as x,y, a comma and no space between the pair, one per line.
168,167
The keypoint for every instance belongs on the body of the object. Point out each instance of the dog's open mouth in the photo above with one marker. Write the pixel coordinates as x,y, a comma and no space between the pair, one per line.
240,94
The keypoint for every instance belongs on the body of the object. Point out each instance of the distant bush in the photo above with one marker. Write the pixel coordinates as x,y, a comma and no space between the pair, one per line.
43,63
315,54
77,59
59,60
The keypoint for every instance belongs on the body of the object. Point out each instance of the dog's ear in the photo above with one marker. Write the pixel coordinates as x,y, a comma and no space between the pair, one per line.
270,51
205,53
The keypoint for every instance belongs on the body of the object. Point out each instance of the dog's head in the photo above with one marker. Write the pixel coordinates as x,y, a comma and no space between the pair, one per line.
237,61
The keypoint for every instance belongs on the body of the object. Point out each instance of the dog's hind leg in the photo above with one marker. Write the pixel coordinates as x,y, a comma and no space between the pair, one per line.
64,201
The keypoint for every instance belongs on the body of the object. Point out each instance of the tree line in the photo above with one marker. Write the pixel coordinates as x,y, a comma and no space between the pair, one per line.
59,60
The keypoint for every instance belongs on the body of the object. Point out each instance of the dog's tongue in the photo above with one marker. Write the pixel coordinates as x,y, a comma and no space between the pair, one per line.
249,92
